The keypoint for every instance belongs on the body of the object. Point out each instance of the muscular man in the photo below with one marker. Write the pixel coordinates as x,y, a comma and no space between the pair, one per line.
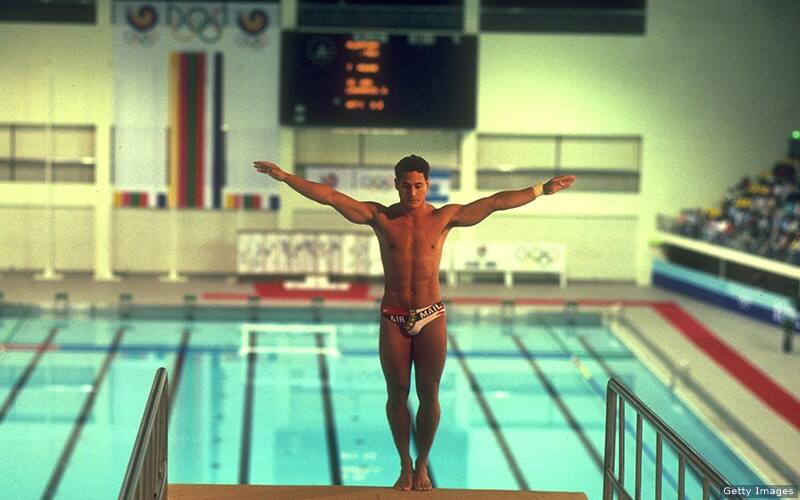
411,234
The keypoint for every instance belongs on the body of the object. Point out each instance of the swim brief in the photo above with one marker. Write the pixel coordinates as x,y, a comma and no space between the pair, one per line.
412,320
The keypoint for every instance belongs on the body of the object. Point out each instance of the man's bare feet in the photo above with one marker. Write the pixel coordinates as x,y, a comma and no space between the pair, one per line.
421,480
405,480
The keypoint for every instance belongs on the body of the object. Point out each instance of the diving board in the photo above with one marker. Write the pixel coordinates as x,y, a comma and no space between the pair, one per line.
253,492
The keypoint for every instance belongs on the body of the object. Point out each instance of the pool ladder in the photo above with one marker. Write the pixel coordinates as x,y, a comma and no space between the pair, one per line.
617,396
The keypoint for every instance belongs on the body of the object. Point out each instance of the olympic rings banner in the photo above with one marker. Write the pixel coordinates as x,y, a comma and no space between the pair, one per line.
195,99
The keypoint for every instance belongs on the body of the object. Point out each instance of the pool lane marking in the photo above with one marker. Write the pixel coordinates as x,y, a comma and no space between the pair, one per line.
598,388
489,417
584,371
14,330
414,441
177,370
83,416
41,349
556,397
247,414
600,360
327,406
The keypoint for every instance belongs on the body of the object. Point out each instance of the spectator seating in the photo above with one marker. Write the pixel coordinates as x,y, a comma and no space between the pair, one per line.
760,216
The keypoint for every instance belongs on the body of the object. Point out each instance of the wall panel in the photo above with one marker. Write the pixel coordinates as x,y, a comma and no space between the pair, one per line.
206,240
32,235
597,247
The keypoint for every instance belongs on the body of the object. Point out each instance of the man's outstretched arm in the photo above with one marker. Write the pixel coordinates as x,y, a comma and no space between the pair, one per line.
472,213
355,211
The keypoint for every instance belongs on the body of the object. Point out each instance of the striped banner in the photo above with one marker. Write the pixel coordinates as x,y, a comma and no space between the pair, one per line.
131,199
187,103
243,201
146,199
218,136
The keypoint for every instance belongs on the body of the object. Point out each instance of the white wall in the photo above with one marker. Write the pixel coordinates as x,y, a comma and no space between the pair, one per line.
54,73
711,88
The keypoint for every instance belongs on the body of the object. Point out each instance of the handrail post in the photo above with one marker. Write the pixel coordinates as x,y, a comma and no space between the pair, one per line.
146,475
608,459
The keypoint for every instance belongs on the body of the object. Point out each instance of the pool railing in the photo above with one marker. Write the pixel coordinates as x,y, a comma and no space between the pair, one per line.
146,476
616,397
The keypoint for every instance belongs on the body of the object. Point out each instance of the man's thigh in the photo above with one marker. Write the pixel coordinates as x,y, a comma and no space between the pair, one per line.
395,354
429,350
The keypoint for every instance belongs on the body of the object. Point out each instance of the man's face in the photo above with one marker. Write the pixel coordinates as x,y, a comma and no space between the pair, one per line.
412,187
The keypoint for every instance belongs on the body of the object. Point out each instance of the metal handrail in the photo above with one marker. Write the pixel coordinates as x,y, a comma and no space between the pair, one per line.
617,393
146,476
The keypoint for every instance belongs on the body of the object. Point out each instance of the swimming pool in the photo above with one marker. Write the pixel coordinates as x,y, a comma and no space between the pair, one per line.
522,400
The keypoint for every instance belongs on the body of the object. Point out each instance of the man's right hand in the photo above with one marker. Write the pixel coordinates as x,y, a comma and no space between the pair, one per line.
269,168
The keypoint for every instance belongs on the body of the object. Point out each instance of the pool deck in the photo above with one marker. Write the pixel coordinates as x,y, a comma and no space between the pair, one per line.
757,342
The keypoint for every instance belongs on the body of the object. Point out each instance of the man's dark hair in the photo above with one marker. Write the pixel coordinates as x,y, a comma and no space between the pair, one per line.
412,163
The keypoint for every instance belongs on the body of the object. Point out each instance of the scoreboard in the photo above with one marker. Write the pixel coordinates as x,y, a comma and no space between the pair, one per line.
378,80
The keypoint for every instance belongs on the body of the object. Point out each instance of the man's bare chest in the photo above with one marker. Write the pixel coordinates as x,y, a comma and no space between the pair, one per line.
407,233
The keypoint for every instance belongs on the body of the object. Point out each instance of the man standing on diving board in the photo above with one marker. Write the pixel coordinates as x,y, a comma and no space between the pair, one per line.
411,234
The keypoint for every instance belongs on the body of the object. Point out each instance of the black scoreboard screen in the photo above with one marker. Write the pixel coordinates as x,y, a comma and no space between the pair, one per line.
373,80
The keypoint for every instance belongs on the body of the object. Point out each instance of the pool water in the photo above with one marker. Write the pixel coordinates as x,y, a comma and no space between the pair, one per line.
522,403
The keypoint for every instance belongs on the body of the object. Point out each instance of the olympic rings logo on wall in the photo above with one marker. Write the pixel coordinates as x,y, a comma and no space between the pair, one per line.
206,23
540,256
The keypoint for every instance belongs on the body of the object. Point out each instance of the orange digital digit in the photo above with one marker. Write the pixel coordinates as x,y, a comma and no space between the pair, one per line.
367,67
354,104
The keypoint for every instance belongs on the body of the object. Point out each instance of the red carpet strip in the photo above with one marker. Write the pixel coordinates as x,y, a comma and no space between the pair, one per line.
277,290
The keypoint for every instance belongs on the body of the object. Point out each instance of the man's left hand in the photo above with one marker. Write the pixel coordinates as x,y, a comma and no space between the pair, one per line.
556,184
